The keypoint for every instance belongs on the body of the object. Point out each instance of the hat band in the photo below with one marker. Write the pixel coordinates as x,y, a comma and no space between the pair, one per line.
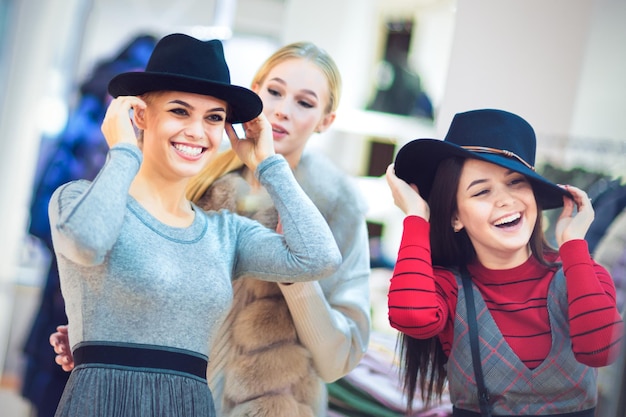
508,154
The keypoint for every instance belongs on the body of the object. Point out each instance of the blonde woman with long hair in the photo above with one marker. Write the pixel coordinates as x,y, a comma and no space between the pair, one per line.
280,344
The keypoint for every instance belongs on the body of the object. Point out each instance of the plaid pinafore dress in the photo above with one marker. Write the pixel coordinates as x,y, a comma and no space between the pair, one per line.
560,385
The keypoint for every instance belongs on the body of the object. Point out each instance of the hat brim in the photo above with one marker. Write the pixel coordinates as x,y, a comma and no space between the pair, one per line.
244,104
417,162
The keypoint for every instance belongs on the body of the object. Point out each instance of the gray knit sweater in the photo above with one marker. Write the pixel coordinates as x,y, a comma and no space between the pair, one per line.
126,277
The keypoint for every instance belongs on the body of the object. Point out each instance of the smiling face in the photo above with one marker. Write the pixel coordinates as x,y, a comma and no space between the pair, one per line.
181,132
295,96
498,210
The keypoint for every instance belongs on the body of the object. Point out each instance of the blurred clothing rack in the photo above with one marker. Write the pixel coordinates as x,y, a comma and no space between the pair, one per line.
602,155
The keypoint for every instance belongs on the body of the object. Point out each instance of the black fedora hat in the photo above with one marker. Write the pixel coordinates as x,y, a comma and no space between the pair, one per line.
490,135
182,63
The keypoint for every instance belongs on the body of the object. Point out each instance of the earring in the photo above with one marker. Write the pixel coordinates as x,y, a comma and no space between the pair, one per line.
456,230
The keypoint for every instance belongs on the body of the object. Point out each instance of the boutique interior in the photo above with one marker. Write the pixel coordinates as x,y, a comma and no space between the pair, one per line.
560,64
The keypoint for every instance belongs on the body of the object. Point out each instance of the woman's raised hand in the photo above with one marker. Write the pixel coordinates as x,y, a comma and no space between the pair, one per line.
117,126
258,143
576,217
406,196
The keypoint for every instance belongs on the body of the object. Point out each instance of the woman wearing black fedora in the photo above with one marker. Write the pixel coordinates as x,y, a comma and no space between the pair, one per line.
145,273
319,330
513,326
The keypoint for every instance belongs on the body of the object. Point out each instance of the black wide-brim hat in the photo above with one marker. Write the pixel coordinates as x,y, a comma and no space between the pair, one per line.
490,135
182,63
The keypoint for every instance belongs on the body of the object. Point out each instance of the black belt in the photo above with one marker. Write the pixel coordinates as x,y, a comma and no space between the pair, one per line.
459,412
140,357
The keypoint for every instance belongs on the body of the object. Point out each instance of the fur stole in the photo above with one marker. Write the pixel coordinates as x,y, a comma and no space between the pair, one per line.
266,371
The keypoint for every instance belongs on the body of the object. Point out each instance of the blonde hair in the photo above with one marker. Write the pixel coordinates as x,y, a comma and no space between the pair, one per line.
228,161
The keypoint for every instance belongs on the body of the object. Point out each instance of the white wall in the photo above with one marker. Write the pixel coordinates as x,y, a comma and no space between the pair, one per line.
523,56
601,92
348,30
597,136
559,64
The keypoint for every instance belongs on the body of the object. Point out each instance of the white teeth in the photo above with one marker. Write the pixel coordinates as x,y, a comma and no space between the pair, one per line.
508,219
189,150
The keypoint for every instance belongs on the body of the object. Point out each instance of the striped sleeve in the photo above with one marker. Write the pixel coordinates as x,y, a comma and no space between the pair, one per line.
596,326
418,302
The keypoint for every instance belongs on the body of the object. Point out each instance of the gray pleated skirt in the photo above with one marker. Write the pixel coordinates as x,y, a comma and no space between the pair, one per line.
111,390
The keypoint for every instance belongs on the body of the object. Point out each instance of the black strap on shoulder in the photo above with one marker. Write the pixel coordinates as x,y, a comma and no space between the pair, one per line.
483,394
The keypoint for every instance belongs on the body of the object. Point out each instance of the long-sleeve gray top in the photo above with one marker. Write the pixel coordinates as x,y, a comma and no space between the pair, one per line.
127,277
